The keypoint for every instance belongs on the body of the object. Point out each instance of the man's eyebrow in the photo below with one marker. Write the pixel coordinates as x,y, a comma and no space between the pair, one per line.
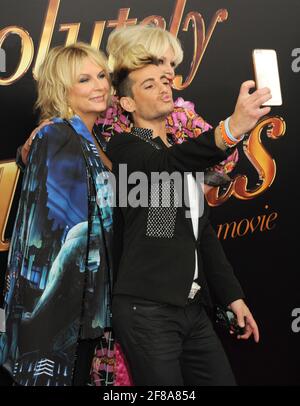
153,79
146,80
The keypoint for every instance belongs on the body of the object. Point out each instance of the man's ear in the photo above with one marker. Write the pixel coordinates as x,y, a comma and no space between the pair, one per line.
127,104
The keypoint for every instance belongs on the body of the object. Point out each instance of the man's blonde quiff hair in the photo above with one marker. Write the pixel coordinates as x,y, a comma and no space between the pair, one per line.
154,39
58,73
137,57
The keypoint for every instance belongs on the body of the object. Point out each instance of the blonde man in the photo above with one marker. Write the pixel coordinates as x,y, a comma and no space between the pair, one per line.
170,263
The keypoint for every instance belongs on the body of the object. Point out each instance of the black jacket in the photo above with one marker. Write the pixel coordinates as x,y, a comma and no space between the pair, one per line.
158,254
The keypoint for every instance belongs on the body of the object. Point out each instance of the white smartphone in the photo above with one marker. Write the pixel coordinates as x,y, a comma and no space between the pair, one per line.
267,74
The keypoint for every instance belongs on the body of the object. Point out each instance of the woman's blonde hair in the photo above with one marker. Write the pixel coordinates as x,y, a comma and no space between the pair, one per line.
58,73
151,38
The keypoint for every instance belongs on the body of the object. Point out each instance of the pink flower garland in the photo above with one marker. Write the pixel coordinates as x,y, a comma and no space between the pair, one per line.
184,123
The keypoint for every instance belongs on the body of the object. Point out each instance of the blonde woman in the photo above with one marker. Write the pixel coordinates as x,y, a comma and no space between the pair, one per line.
59,269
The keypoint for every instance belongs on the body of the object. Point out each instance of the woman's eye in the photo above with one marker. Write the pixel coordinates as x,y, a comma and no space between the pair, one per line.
161,61
101,75
173,64
149,87
82,80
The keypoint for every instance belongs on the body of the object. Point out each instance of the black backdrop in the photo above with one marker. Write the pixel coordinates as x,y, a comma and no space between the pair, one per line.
262,252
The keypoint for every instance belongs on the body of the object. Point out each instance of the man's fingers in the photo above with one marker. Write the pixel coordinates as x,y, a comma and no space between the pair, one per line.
256,335
247,333
241,321
246,86
260,100
264,111
259,96
251,328
254,328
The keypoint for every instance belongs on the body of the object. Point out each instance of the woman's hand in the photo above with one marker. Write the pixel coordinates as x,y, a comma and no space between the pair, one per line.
26,147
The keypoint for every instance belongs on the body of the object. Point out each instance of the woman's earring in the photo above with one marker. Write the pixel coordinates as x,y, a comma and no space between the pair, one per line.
70,112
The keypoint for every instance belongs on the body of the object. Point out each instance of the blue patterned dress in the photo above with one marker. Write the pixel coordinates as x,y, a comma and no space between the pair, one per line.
59,267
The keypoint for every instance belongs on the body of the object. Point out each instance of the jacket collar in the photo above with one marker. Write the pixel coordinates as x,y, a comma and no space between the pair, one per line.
147,134
78,125
143,133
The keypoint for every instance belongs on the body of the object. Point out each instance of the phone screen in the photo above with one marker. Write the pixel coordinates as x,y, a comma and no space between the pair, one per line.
267,74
